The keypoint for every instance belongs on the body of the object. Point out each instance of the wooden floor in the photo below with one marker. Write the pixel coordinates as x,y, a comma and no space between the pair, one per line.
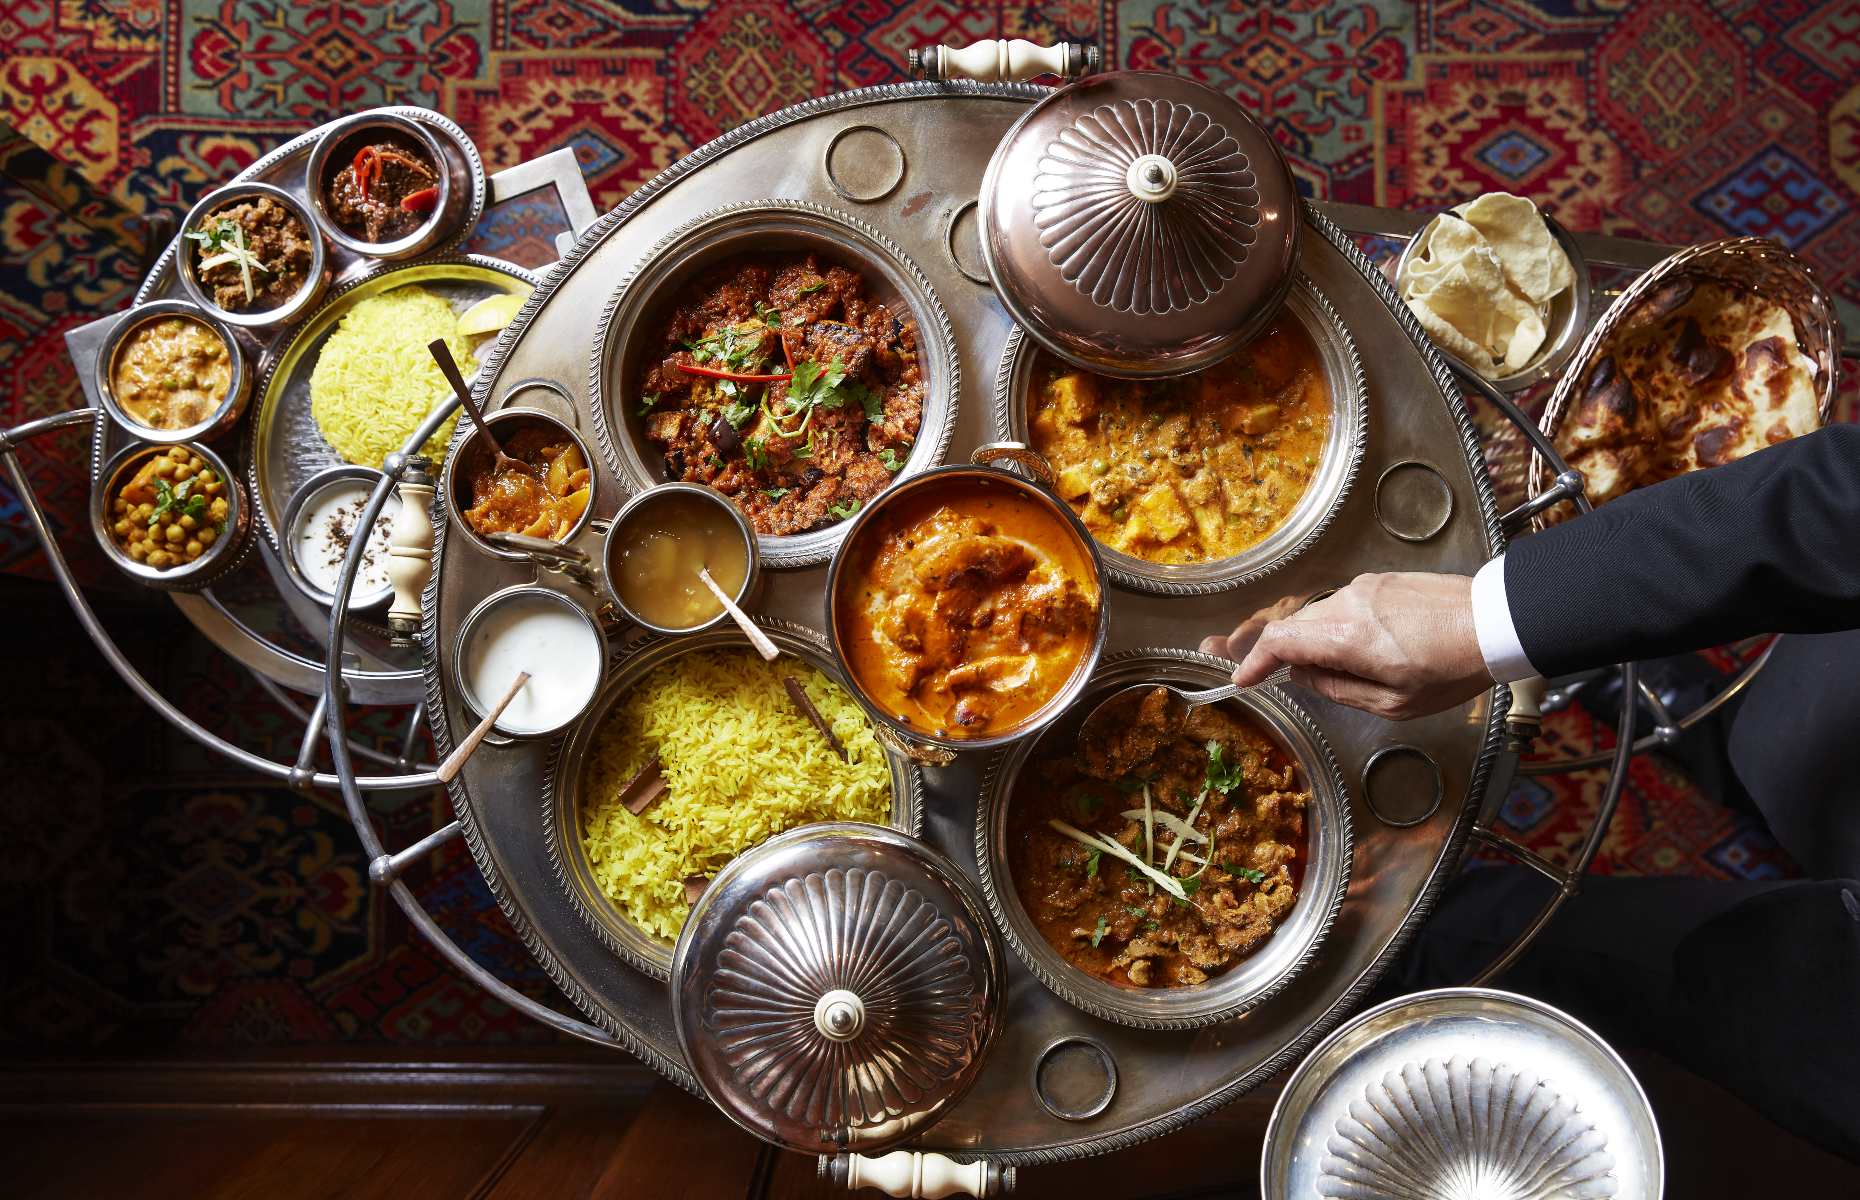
580,1124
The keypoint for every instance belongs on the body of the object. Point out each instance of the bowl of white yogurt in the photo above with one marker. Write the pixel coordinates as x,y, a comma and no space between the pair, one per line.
320,523
539,630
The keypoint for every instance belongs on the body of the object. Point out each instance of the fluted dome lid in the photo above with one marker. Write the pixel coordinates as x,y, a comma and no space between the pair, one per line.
835,987
1139,224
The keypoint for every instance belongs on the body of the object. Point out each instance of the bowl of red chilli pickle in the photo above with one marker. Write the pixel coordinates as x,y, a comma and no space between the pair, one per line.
381,185
171,517
1180,875
169,373
549,497
655,546
250,255
1205,481
786,355
967,608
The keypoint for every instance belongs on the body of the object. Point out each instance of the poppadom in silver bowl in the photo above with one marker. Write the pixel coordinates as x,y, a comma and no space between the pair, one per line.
1324,495
1463,1094
562,786
764,227
1255,979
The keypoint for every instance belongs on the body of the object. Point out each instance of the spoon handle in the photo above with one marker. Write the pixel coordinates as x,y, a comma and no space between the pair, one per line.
757,638
442,354
1228,691
456,759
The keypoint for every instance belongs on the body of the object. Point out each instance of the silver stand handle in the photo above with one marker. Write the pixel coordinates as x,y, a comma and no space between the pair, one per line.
999,61
557,169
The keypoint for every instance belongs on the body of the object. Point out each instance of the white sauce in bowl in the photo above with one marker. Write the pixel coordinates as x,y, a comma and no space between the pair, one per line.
551,639
324,529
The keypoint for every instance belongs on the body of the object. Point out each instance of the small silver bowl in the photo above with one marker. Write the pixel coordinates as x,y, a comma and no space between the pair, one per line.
611,543
223,416
472,626
473,450
765,227
1253,980
227,551
310,493
338,144
306,296
1569,312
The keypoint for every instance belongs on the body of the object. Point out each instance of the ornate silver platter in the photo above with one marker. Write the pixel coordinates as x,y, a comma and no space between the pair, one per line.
919,156
1326,492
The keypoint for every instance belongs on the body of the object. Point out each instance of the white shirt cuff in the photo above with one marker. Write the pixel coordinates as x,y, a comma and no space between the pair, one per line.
1498,637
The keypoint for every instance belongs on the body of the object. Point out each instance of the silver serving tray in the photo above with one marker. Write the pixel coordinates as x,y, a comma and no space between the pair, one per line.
1255,979
1324,495
561,806
937,139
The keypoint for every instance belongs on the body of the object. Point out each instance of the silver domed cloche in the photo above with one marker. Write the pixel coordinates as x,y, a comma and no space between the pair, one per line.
835,987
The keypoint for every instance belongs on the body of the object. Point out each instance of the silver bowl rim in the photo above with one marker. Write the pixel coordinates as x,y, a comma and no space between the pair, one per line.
293,509
1561,344
219,559
225,414
639,500
1222,998
851,238
1316,509
314,281
463,643
1314,1060
431,231
467,431
1061,701
568,756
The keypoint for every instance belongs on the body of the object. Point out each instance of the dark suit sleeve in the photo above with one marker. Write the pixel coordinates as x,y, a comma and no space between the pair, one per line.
1767,544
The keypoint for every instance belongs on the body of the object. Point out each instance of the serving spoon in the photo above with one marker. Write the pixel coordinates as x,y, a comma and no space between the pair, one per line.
442,354
1116,710
767,649
456,759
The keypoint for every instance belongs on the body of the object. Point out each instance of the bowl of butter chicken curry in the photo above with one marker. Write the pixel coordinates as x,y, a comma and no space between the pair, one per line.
1179,873
967,608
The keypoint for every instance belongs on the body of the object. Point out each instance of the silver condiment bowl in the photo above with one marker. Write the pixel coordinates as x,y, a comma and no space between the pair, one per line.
1567,323
473,450
227,551
924,744
1324,495
224,415
564,792
767,227
337,145
305,498
188,253
1293,945
461,651
610,547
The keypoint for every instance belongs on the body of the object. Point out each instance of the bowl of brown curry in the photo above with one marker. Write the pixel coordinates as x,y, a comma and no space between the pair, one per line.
1181,876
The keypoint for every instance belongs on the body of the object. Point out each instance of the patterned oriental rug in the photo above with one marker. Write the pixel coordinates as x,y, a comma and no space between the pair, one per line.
155,896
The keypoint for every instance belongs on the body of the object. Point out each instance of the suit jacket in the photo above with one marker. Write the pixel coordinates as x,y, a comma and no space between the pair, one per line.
1767,544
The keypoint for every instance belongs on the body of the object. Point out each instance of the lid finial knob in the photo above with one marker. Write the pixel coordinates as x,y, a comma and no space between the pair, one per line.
1151,178
839,1015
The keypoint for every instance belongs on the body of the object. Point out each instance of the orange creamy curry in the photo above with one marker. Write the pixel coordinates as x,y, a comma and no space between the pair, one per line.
966,607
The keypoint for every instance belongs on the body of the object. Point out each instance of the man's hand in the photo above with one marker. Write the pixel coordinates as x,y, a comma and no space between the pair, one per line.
1398,646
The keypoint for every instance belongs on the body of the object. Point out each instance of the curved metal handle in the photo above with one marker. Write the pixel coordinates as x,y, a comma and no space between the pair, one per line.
923,756
1028,460
559,557
996,60
560,170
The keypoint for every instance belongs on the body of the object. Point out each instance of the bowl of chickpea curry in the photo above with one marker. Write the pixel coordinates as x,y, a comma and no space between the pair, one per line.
1181,872
1208,480
171,517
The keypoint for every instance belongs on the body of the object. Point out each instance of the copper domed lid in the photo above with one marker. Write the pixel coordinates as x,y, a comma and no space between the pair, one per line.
1139,224
835,987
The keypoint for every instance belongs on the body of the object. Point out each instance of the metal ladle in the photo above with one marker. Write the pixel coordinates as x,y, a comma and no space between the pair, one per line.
1114,711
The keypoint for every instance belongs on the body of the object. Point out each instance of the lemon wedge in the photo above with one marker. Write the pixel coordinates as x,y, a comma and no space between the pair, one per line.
491,313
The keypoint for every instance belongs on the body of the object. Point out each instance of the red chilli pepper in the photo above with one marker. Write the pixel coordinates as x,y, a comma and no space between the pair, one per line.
367,169
734,376
422,201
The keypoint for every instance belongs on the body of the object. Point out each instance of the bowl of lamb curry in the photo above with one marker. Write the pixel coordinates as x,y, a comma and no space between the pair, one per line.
1182,872
1207,480
967,608
784,355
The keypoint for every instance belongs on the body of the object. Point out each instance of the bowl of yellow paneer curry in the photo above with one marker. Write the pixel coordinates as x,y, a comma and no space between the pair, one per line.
1208,480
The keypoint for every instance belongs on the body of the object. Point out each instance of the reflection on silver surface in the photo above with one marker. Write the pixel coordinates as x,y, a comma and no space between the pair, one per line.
1413,501
863,163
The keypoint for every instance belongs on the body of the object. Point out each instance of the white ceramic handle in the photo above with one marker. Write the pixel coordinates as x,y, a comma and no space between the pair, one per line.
995,61
410,555
1527,698
917,1175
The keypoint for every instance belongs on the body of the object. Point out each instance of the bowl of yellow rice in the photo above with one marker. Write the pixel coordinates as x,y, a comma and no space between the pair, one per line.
741,764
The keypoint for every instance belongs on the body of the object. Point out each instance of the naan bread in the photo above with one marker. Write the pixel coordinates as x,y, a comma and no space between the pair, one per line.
1706,375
